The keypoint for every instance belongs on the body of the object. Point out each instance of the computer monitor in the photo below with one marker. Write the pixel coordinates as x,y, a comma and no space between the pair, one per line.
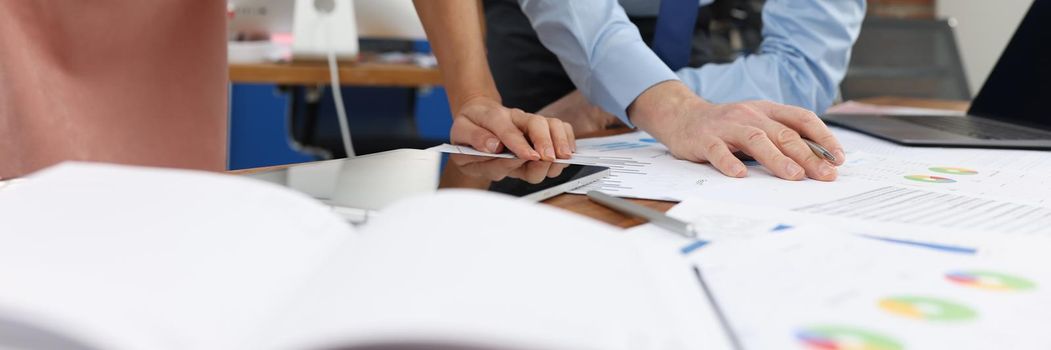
376,19
258,19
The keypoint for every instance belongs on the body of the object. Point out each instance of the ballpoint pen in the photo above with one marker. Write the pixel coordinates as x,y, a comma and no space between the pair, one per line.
820,150
655,217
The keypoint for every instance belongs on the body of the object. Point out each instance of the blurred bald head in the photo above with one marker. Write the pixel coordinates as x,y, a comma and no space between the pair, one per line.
133,82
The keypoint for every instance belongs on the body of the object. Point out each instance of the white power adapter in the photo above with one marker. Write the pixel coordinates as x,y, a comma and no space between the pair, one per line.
325,30
321,26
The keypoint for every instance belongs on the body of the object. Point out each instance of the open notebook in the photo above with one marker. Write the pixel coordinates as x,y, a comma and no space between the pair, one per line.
115,257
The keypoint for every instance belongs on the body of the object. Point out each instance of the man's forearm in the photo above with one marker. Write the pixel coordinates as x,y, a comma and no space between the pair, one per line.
653,110
600,49
455,34
803,57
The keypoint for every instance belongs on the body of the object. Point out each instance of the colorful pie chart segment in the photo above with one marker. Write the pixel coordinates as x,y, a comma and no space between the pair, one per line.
845,338
953,170
930,179
927,308
990,281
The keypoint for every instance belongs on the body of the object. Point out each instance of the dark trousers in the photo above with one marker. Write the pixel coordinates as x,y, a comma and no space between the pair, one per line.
529,76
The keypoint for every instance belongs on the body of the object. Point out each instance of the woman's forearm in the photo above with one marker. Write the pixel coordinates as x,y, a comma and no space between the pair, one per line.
455,33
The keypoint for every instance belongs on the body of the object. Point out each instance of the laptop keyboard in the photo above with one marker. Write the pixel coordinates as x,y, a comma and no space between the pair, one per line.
977,128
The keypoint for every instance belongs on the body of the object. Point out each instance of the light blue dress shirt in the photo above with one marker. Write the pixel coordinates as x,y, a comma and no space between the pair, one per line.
803,56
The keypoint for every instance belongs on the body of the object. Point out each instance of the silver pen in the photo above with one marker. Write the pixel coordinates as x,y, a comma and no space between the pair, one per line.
820,150
654,217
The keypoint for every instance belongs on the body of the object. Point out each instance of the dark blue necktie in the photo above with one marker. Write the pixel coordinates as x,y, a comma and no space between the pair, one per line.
674,32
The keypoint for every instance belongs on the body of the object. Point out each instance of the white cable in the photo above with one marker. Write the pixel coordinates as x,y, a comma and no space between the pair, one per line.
337,94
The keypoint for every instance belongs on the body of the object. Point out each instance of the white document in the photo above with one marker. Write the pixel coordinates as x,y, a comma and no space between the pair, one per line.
820,291
971,179
992,159
643,168
534,277
468,150
721,221
900,212
118,257
908,199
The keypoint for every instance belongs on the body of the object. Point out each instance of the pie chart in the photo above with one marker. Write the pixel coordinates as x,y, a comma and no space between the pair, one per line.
990,281
845,338
930,179
927,308
953,170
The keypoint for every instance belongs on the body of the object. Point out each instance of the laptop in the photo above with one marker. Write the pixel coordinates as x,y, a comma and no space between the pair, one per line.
1012,110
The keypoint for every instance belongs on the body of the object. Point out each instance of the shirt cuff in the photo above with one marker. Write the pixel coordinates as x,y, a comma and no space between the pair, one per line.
618,79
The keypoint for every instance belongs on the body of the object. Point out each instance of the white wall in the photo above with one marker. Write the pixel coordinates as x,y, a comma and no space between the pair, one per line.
982,32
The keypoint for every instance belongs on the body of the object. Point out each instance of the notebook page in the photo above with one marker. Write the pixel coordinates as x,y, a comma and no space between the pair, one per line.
122,257
472,268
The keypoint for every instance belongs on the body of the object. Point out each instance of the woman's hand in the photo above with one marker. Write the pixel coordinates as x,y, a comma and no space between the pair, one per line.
487,125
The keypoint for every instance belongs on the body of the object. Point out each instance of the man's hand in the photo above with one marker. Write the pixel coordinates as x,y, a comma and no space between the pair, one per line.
696,130
575,110
487,125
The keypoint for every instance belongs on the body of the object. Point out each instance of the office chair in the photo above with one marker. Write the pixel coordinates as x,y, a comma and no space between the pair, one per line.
906,57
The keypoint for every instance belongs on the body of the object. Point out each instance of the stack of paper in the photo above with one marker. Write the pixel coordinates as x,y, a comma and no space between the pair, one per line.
963,197
911,248
643,168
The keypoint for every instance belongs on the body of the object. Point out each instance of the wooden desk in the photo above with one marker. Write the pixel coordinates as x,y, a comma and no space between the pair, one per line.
316,73
581,205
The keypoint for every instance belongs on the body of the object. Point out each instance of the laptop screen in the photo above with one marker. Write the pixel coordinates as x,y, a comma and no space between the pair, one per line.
1019,88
